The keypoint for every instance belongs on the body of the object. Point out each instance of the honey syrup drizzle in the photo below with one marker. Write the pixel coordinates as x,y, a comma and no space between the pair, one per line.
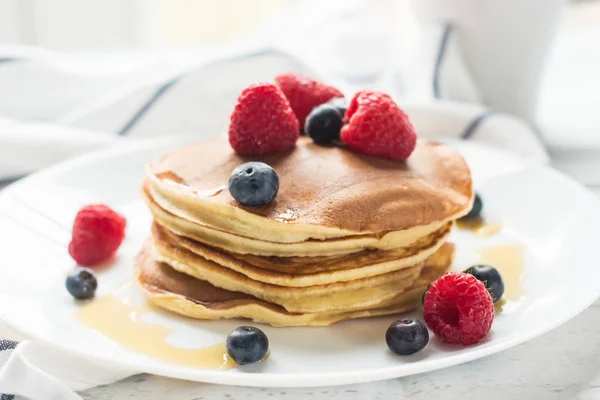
122,322
509,260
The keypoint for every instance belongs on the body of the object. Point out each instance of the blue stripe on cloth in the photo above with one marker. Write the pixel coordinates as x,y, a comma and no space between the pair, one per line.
474,125
7,345
9,180
441,54
147,106
162,89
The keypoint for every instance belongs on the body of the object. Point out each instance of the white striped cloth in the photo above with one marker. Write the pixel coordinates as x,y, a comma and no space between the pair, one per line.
6,349
54,112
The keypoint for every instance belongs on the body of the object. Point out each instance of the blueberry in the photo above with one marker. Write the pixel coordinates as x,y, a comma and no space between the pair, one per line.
254,184
81,283
323,124
476,209
246,345
490,277
407,336
340,104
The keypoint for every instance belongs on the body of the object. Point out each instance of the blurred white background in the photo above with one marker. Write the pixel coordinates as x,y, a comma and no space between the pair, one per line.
148,24
127,24
69,25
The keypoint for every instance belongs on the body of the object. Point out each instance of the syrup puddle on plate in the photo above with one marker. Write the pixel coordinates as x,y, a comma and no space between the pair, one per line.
479,226
120,321
509,260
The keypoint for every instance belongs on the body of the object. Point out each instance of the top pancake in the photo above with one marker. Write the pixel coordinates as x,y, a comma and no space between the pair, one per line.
324,192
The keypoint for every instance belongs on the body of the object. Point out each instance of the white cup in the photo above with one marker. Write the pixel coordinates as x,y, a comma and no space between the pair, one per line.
504,45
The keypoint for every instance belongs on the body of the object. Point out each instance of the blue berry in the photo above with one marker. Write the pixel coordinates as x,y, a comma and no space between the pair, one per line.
476,209
81,283
407,336
490,277
247,345
254,184
340,104
323,124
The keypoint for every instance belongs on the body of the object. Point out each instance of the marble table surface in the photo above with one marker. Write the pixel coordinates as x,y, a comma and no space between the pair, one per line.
561,364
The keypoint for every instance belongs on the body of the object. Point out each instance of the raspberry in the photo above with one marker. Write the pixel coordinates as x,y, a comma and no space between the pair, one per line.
262,121
458,309
305,93
97,234
377,126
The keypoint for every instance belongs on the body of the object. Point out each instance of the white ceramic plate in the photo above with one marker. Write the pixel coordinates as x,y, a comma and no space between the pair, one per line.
553,217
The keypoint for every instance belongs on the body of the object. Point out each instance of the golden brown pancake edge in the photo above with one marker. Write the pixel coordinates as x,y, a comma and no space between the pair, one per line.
330,187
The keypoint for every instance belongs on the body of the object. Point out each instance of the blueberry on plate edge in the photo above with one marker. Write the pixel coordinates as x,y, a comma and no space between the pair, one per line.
490,277
407,336
254,184
476,209
81,283
247,345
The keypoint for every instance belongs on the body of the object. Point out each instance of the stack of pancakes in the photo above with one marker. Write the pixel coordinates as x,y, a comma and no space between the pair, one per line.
348,235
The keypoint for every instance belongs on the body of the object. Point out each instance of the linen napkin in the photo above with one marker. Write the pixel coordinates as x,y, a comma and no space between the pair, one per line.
58,108
54,112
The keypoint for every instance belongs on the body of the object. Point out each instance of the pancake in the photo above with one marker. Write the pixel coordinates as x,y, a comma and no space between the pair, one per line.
310,248
188,296
356,294
229,225
325,192
347,236
310,271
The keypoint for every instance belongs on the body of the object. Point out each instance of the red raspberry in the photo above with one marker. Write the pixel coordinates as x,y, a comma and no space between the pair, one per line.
377,126
97,234
305,93
458,309
262,121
